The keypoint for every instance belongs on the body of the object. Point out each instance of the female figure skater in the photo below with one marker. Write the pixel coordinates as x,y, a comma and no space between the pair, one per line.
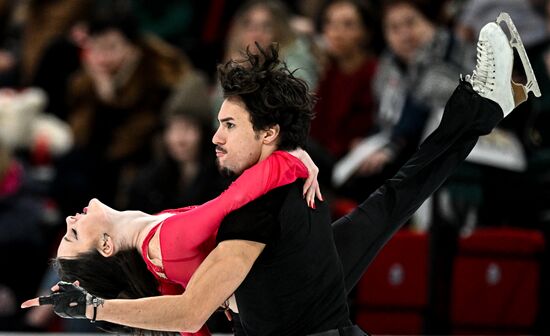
131,254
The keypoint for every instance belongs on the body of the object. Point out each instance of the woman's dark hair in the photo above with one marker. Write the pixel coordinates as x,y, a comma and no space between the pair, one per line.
271,93
191,102
369,19
121,20
280,15
121,276
431,10
204,123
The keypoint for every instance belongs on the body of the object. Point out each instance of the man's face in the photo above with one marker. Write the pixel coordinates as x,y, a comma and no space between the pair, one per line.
238,146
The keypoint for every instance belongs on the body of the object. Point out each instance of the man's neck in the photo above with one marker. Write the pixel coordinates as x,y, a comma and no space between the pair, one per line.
267,151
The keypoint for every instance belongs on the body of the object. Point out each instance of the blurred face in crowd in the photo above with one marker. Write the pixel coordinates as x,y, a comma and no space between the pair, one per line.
257,25
182,137
406,30
110,50
343,30
238,145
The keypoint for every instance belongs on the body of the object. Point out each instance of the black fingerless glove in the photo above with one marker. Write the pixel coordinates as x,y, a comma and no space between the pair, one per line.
71,301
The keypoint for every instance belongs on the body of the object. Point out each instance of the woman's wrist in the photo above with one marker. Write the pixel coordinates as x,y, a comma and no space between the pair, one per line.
298,153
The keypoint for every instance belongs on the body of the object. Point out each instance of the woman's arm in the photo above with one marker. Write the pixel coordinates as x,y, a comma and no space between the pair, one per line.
280,168
215,280
311,186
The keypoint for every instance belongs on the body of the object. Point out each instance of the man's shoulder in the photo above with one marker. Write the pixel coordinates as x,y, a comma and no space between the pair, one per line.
259,220
274,199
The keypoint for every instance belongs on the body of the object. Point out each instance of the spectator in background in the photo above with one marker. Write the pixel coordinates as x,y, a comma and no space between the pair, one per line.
267,22
186,172
114,108
10,26
469,22
44,22
307,16
415,77
345,109
22,234
60,60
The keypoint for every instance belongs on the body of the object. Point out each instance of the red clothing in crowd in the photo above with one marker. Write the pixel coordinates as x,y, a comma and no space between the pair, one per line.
345,110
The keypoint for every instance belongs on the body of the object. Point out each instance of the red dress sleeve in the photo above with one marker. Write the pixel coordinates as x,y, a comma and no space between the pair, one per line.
199,223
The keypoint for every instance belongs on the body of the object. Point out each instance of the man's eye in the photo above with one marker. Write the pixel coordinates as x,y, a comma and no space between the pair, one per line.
74,232
230,125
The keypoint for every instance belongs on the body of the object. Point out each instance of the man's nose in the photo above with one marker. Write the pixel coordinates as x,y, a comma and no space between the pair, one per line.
217,138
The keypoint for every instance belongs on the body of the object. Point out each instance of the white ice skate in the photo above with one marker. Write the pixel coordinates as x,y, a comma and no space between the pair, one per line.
492,77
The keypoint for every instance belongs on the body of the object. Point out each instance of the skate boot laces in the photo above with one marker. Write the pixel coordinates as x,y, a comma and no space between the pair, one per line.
483,77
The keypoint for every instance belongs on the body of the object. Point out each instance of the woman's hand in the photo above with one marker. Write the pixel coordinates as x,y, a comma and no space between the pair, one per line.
102,79
69,300
311,186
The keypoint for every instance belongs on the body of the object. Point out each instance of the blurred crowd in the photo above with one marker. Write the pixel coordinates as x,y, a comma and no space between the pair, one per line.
118,100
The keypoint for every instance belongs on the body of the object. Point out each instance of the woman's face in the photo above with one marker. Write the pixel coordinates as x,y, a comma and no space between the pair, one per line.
182,138
109,50
406,30
84,230
343,30
257,26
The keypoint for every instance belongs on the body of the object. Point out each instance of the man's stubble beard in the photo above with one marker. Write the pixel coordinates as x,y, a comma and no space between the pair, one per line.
226,172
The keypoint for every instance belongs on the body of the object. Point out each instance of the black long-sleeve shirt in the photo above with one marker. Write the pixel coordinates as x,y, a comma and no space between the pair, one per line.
296,286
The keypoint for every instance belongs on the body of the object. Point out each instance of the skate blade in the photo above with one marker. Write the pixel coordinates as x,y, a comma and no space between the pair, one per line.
515,42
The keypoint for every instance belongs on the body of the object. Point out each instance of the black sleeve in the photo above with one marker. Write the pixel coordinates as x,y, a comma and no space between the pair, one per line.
256,221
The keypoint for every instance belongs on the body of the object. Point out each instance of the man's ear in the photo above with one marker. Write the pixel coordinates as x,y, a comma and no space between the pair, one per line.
271,135
106,246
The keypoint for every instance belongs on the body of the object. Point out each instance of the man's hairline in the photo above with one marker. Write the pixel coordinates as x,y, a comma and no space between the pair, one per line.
240,101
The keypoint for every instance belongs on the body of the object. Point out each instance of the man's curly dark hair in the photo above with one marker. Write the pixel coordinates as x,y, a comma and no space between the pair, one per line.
271,94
